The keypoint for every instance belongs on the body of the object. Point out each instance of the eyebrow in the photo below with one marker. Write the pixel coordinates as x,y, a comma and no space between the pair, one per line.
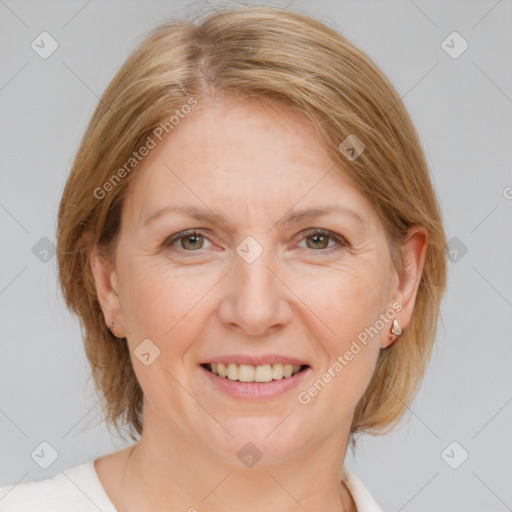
293,217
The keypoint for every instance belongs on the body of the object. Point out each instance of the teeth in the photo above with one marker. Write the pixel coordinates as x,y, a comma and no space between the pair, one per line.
221,369
250,373
232,371
246,373
277,371
263,373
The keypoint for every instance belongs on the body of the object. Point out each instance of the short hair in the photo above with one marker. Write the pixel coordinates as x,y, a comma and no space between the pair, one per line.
260,54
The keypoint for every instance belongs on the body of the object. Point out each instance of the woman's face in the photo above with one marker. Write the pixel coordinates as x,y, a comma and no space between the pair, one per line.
254,285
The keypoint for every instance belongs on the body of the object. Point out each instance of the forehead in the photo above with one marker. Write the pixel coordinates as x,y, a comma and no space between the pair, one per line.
241,157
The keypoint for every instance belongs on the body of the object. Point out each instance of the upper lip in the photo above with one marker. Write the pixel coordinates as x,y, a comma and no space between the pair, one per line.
255,360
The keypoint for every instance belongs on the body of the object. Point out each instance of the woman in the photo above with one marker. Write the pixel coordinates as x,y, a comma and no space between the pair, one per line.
251,240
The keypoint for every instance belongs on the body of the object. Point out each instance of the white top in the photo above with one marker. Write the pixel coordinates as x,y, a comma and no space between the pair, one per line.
79,489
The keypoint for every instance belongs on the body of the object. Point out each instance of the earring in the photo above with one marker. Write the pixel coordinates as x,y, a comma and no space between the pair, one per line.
396,328
111,326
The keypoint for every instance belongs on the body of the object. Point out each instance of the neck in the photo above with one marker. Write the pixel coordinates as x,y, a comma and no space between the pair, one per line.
166,470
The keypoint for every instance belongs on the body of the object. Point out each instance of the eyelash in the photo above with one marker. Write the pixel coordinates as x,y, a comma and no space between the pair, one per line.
340,240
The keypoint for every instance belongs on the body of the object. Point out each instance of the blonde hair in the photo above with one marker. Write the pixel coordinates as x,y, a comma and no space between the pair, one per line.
259,54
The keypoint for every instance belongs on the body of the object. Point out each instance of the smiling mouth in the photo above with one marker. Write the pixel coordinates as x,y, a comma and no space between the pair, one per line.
249,373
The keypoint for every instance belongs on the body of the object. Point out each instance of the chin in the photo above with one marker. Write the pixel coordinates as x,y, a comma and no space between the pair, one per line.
270,438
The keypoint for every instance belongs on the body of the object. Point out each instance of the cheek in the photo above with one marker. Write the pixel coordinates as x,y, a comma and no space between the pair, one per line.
161,304
349,305
344,302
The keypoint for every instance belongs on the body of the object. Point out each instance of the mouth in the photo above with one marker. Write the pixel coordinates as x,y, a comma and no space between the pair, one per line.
250,373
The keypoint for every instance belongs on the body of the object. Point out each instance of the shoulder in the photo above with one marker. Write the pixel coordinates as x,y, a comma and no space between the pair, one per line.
76,489
361,495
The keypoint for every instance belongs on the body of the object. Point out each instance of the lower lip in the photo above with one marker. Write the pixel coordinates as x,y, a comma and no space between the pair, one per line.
255,390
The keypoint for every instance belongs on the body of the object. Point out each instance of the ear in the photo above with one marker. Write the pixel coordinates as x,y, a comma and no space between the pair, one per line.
107,286
414,249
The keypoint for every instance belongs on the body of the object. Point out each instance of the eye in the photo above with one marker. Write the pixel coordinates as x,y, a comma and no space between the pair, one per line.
316,239
320,239
190,242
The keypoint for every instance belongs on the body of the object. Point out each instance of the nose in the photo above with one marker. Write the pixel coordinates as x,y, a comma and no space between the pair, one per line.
256,302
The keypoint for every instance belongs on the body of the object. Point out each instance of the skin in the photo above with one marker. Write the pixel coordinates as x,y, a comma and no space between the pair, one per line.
303,296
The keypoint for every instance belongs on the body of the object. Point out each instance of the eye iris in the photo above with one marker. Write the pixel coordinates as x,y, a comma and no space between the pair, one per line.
325,240
192,237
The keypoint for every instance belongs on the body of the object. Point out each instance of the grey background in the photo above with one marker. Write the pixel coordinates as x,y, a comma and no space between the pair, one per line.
462,108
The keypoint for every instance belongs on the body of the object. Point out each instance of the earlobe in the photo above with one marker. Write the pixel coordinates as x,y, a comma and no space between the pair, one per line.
414,251
107,290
